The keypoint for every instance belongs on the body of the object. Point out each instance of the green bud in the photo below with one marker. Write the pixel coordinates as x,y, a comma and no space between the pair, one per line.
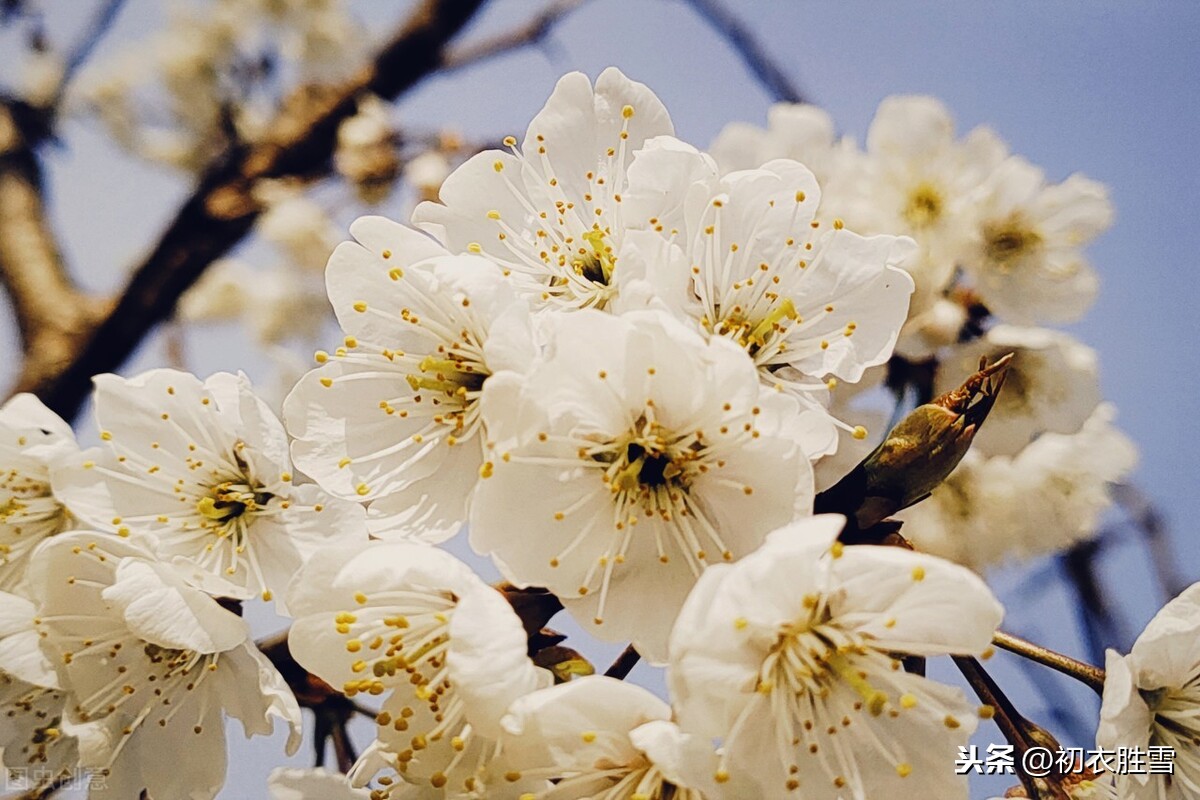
918,453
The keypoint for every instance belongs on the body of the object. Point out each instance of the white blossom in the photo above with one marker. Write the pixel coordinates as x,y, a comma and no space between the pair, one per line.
366,150
1025,258
32,737
393,417
297,225
1045,498
789,658
630,457
551,211
32,440
1052,384
413,621
1152,699
807,301
919,179
600,737
201,470
153,665
795,131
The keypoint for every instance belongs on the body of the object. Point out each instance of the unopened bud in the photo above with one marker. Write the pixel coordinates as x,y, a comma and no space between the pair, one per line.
918,453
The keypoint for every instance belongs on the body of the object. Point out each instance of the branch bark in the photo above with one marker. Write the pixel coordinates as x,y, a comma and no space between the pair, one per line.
51,313
222,210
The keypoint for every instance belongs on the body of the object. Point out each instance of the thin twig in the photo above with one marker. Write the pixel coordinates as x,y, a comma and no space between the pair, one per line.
95,30
223,209
624,664
1092,677
753,54
531,33
1017,731
1153,529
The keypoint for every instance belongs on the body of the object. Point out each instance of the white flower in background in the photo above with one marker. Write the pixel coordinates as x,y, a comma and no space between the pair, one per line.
393,417
366,150
806,301
1047,497
552,210
312,784
632,456
220,293
1025,260
202,471
918,179
427,172
1152,699
795,131
600,737
32,439
789,658
297,225
32,737
152,665
1052,385
414,621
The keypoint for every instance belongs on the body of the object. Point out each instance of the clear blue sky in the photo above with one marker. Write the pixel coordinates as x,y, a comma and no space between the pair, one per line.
1103,87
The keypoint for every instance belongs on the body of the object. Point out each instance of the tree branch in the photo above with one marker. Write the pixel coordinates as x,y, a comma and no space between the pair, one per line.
51,313
223,209
531,33
749,49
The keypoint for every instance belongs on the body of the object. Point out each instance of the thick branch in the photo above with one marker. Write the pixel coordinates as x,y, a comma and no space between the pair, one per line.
749,49
51,313
223,208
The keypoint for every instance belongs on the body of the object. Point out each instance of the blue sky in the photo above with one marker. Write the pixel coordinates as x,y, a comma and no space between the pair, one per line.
1102,87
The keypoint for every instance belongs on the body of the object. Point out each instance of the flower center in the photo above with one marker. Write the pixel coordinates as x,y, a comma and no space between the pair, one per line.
753,334
649,459
1008,240
924,207
810,654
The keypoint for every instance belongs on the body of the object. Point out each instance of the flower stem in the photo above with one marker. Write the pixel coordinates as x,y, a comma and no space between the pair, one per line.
1092,677
1018,731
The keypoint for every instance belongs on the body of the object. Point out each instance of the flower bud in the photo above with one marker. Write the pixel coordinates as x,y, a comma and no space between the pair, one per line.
918,453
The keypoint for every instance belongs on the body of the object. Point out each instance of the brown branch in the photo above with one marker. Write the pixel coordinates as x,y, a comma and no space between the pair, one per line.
1088,675
532,32
51,313
753,54
624,664
223,209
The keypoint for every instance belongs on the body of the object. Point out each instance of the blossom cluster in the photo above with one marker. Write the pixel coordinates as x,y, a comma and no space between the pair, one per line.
618,362
999,252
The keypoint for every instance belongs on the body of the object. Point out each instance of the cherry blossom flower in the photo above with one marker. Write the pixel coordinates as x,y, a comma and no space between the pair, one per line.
1024,258
628,459
393,417
789,657
795,131
202,470
1152,699
551,211
1052,385
152,664
32,440
32,737
1047,497
414,621
603,738
807,301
